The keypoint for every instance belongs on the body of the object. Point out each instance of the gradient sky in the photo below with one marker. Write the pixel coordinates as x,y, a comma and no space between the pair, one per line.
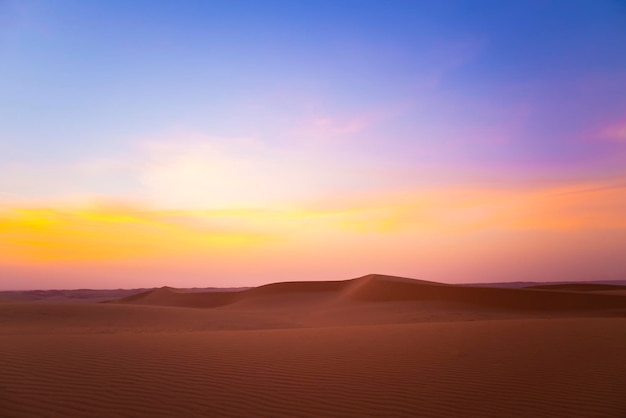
236,143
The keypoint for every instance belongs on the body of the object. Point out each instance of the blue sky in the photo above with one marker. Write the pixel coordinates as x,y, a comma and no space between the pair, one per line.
81,77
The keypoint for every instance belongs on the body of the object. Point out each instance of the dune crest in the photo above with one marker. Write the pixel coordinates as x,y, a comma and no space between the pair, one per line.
382,288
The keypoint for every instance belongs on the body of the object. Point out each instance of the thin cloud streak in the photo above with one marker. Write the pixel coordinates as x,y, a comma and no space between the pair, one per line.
413,231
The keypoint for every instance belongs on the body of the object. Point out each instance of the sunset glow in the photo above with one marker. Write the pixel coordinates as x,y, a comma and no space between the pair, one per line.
206,144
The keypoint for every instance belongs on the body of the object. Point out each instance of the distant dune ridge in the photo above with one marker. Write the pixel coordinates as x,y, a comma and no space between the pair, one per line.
372,346
381,288
579,287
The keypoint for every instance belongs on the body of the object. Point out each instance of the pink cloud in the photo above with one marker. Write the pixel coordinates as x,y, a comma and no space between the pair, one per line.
614,132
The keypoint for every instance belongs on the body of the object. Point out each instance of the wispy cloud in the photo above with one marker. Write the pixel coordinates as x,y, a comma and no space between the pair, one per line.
118,231
109,233
614,132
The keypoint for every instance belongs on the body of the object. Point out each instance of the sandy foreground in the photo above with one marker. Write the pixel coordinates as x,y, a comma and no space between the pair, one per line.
376,346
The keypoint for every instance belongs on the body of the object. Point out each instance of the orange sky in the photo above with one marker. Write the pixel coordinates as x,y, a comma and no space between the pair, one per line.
574,231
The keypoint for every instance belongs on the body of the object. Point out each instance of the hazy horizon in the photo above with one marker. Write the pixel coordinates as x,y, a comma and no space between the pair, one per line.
233,144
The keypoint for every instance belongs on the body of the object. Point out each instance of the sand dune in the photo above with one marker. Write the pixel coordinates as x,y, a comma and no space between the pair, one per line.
579,287
372,346
524,299
74,296
380,288
167,296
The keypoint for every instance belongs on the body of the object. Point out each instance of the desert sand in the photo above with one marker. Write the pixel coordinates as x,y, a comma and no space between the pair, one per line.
377,346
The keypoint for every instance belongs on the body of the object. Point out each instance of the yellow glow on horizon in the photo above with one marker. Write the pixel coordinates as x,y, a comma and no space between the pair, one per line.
44,235
39,235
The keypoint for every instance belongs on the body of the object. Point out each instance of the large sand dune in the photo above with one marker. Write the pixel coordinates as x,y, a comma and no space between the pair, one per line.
372,346
380,288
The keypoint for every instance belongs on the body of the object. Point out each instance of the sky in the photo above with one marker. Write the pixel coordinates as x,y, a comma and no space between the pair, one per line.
236,143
